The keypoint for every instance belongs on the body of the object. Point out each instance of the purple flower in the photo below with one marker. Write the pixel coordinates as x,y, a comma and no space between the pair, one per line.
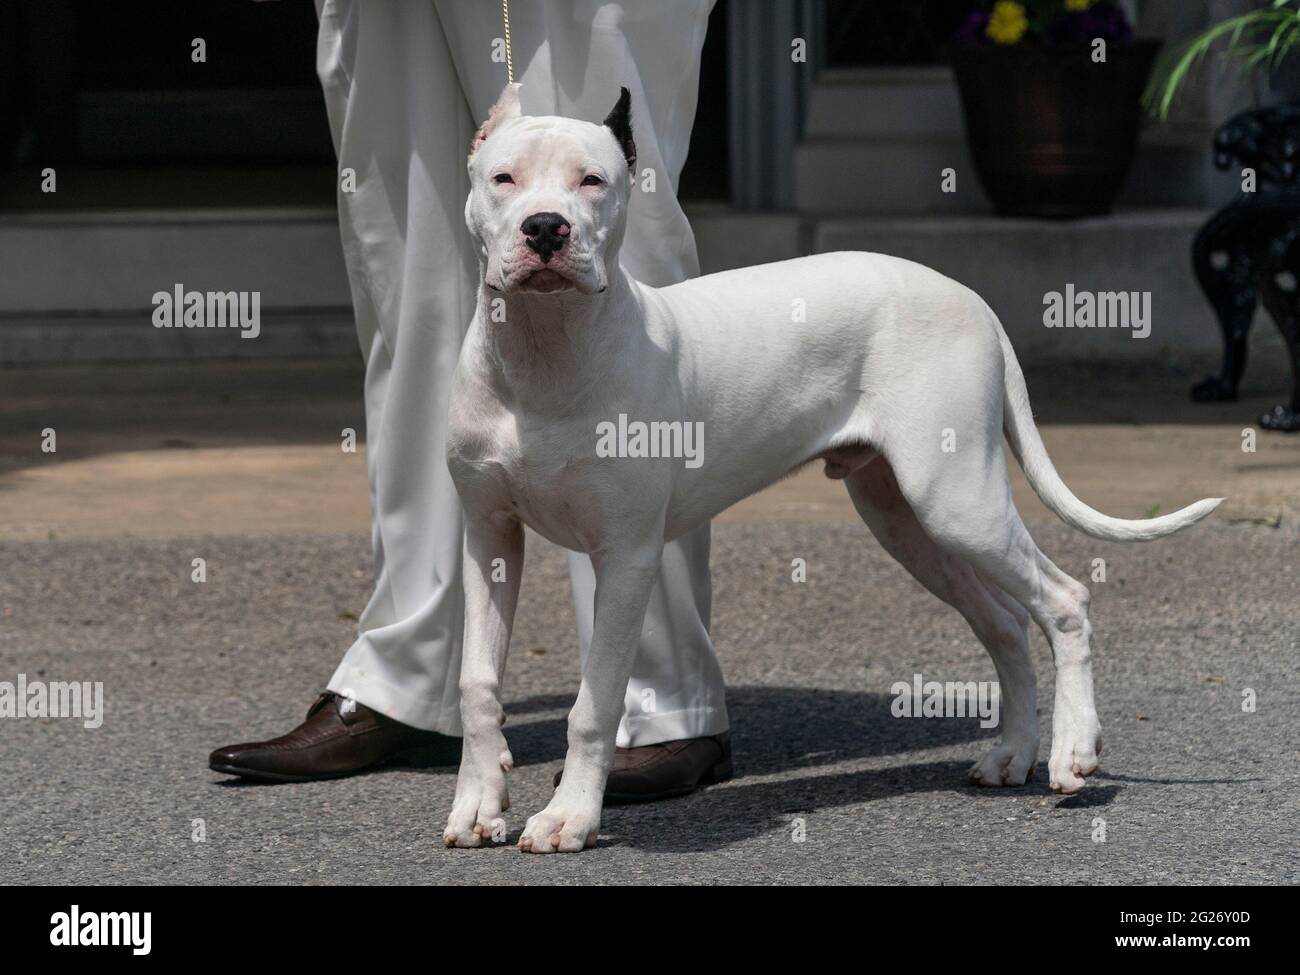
1103,19
973,28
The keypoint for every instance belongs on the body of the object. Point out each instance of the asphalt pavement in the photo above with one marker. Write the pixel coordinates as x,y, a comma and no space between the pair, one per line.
830,787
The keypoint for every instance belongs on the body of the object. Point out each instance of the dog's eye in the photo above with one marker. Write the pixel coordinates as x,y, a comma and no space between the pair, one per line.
591,179
503,178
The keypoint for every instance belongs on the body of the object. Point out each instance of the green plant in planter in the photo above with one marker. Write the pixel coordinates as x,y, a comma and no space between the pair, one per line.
1258,41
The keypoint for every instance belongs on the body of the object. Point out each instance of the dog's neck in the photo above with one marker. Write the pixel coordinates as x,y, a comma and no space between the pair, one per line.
554,341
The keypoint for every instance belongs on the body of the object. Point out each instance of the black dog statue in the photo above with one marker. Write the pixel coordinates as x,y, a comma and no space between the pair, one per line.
1249,251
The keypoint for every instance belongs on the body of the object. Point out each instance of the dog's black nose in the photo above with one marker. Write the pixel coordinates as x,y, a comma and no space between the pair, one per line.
546,233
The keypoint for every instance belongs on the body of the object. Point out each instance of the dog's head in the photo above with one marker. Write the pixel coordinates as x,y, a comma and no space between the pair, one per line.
548,197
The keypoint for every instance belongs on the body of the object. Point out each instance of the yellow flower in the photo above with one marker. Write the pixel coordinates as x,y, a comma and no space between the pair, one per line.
1074,5
1008,22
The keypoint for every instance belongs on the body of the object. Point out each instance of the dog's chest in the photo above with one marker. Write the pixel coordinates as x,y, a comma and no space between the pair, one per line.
541,471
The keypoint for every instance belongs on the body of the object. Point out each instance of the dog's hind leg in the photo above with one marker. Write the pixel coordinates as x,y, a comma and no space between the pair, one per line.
964,503
1000,623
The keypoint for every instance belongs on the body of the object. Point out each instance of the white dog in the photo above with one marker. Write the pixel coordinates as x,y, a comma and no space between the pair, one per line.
899,379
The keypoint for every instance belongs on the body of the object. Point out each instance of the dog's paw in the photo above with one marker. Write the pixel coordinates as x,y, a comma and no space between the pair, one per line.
557,829
481,798
1282,419
1074,756
1009,763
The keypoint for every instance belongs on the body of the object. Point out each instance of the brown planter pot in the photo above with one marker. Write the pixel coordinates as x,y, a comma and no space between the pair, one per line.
1052,133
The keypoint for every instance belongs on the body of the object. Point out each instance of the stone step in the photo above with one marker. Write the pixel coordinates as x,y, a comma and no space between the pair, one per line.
897,174
878,139
1014,264
131,337
79,286
876,102
901,125
112,262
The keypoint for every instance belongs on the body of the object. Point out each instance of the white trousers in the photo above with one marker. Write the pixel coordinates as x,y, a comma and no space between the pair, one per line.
406,82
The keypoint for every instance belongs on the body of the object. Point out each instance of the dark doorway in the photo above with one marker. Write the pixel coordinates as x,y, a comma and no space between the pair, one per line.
881,33
111,96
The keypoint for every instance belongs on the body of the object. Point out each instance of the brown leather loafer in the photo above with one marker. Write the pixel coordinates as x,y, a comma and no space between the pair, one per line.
340,737
666,769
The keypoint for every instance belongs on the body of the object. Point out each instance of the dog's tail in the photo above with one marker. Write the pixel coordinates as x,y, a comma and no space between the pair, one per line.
1022,433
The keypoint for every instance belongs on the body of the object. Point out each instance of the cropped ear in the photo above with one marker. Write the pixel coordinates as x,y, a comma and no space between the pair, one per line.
619,121
506,108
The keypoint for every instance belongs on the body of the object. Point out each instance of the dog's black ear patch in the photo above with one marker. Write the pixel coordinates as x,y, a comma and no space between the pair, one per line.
619,121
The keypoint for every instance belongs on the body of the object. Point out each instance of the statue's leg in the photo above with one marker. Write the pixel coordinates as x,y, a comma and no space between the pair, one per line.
1283,303
1224,265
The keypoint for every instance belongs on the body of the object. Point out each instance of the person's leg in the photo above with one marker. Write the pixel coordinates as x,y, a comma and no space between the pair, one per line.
676,690
400,124
400,121
571,58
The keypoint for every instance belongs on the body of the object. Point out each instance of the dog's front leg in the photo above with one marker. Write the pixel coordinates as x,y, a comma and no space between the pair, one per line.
494,559
624,581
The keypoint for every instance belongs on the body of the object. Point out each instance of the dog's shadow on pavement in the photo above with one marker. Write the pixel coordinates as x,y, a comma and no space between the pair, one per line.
784,731
774,729
780,808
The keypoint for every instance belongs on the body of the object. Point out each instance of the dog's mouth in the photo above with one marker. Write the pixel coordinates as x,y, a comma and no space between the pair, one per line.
545,280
